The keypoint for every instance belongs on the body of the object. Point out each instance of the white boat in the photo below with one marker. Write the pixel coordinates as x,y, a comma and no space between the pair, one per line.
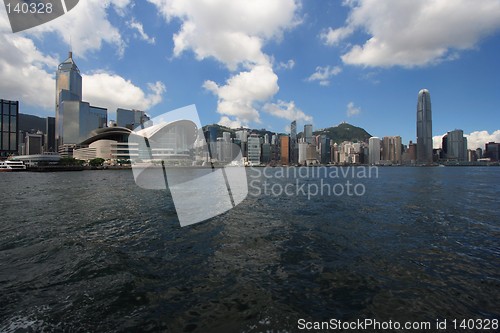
12,166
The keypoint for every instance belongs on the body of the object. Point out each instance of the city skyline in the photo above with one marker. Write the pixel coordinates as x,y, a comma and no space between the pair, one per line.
149,61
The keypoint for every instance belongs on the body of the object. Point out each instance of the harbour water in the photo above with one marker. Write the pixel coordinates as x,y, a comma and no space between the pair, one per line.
93,252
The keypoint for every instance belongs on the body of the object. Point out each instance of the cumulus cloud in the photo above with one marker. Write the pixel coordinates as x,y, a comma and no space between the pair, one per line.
28,74
476,139
113,91
24,71
353,110
137,26
86,27
286,110
233,32
414,33
324,74
290,64
239,96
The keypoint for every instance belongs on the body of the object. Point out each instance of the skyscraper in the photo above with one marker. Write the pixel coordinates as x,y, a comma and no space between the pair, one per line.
293,142
308,133
374,150
9,121
424,128
75,119
68,88
391,149
456,146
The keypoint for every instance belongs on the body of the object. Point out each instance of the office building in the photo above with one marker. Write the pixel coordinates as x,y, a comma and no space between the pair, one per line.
293,143
324,149
492,151
68,88
254,150
284,149
131,119
34,143
424,128
75,119
79,120
456,145
50,135
374,150
308,133
9,123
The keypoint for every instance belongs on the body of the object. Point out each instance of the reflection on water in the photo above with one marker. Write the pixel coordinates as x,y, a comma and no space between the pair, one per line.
91,251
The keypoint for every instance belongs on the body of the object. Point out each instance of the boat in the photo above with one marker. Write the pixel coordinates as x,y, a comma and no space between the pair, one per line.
12,166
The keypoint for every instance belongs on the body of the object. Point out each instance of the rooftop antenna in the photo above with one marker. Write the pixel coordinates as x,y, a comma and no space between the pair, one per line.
70,47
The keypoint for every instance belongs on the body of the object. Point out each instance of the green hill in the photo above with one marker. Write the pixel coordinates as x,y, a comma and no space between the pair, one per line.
345,132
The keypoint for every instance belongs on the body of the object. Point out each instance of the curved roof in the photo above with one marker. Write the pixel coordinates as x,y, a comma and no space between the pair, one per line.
188,126
116,133
423,91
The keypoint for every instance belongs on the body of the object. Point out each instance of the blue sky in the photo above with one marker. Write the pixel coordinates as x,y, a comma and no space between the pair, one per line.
264,63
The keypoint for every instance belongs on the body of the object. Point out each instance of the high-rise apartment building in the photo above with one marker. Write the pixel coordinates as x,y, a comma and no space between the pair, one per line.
9,123
391,149
424,127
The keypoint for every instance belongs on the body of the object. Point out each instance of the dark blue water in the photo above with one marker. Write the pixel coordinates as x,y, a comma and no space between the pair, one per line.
92,252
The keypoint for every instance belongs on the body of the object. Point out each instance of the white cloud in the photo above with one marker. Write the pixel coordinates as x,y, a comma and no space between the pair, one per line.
414,33
28,74
287,111
353,110
225,121
112,91
290,64
239,96
476,139
86,26
233,32
24,72
133,24
323,74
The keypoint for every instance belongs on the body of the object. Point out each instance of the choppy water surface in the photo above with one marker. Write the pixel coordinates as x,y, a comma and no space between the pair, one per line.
91,251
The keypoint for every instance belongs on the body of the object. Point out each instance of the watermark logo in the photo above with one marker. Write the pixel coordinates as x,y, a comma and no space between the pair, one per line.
26,14
205,178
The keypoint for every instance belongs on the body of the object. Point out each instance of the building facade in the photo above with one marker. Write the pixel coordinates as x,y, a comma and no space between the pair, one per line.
308,133
68,88
131,119
374,150
254,150
424,128
293,143
9,124
285,149
456,145
391,149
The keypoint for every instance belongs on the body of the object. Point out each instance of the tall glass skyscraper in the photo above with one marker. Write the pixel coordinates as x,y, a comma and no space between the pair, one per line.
68,88
424,128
